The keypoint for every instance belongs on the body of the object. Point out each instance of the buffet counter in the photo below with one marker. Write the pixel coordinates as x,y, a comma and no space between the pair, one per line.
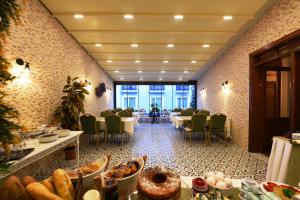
284,162
44,149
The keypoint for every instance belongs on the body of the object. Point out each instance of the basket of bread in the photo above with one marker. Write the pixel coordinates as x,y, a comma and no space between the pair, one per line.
58,187
89,171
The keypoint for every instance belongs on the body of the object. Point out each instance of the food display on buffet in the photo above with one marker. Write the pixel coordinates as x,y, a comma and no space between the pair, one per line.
283,191
219,181
159,183
129,180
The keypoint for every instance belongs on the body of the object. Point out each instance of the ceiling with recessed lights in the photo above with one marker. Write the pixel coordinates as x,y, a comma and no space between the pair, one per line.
143,40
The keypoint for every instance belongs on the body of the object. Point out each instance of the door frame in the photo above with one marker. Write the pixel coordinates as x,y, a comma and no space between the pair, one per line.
259,60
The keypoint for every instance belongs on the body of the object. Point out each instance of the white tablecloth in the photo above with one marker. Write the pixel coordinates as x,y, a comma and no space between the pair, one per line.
136,115
174,114
178,121
279,160
129,123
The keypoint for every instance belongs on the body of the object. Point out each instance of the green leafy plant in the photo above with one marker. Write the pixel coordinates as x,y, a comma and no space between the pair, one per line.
72,104
9,12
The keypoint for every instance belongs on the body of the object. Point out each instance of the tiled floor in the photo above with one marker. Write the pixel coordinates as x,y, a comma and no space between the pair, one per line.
164,145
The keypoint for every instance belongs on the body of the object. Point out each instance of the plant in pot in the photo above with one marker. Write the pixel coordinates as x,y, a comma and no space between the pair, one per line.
72,104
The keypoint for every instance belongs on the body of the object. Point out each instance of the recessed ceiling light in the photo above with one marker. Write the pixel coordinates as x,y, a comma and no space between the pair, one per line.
98,45
227,17
116,71
160,78
140,71
137,61
194,61
128,16
186,72
205,45
170,45
165,61
180,79
134,45
121,78
78,16
109,61
141,79
178,17
163,72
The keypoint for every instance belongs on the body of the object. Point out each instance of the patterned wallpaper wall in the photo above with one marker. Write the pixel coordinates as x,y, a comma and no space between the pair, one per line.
53,55
281,19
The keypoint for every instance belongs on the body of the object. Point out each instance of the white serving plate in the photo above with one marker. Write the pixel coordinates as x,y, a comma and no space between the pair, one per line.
43,139
278,183
62,132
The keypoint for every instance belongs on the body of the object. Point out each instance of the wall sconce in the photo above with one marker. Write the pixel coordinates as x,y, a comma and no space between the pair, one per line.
225,85
202,90
17,71
108,88
88,86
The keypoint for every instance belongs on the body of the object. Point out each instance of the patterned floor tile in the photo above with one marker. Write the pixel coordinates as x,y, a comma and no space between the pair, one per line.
164,145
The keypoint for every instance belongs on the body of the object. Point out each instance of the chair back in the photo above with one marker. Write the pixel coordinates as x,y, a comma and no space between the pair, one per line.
198,122
114,111
113,123
187,112
130,109
204,112
105,113
88,123
125,113
217,122
119,109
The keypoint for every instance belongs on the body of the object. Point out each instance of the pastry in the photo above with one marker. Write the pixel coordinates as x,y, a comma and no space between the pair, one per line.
13,189
159,183
48,183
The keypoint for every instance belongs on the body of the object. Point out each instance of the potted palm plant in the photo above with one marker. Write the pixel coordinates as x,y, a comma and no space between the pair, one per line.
72,104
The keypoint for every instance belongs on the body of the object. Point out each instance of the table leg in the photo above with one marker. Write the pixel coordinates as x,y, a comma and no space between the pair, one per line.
77,151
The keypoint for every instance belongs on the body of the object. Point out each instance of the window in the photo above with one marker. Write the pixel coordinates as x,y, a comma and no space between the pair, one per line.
182,87
182,102
131,102
157,87
129,87
167,96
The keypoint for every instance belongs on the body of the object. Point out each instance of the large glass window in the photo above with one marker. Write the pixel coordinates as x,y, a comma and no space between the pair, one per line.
161,96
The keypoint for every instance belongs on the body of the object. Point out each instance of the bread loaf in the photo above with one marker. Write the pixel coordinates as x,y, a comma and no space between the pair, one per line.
27,180
63,185
38,191
13,189
48,183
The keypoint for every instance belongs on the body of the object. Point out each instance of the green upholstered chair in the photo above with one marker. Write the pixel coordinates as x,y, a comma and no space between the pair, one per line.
197,126
114,111
105,113
124,113
130,109
204,112
88,125
187,112
114,126
118,109
217,125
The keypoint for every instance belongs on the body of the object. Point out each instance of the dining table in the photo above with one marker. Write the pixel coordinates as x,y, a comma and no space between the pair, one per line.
129,124
178,122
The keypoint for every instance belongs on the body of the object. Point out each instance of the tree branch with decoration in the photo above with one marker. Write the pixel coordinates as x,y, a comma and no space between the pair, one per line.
9,13
72,104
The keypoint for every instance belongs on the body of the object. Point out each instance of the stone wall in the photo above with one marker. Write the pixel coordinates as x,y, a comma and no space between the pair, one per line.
281,19
53,55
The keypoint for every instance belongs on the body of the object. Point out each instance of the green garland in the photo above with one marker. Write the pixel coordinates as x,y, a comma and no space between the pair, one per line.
9,12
